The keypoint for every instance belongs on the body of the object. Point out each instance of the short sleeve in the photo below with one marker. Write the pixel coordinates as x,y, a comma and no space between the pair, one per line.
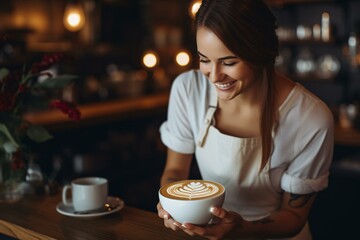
176,131
313,150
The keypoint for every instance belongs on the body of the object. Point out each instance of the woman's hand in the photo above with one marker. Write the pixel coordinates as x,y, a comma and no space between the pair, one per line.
223,223
168,221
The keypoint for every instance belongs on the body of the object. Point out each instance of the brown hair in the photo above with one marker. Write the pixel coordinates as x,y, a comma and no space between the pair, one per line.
247,28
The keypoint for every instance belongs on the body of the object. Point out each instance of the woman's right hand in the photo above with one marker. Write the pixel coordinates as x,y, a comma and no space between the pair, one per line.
168,221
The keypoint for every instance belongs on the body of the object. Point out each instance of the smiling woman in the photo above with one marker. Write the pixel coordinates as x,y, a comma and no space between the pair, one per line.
237,115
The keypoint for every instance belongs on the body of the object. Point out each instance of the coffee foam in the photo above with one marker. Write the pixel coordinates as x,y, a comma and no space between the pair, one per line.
192,189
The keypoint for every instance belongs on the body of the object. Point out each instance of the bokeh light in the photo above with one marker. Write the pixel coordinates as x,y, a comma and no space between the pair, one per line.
182,58
194,7
74,17
150,59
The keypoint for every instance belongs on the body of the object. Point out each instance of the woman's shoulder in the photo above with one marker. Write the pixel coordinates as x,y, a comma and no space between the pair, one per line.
311,99
190,78
304,105
192,82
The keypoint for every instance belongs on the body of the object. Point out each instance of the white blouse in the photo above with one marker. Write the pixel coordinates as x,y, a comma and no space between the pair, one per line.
303,140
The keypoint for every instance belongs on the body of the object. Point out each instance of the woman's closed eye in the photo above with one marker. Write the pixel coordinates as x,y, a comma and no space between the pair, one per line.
204,60
225,63
229,64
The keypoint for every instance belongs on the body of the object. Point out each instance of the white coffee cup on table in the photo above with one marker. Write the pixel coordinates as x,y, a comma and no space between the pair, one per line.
87,194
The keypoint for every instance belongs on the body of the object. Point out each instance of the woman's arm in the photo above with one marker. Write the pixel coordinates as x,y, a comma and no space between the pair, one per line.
286,222
177,167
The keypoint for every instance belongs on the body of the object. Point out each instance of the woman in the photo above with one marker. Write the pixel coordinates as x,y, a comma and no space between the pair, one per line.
268,140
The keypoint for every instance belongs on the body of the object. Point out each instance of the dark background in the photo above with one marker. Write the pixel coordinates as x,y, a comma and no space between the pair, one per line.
128,150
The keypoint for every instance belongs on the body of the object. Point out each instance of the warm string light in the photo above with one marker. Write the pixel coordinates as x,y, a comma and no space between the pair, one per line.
150,59
194,7
182,58
74,17
325,27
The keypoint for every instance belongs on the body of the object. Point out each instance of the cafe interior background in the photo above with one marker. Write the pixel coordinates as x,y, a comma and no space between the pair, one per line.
126,54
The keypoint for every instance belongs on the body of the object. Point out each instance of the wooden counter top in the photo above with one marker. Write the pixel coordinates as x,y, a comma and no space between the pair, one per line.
35,217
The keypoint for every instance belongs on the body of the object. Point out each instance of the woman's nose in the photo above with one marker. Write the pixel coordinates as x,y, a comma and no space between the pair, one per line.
214,74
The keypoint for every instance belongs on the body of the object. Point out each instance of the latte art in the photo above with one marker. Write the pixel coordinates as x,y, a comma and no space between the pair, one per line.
192,189
190,200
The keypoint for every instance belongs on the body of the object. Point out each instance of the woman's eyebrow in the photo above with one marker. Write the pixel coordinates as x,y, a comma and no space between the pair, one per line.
220,59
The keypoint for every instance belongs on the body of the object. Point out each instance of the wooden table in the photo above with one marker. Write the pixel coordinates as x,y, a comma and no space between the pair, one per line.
37,218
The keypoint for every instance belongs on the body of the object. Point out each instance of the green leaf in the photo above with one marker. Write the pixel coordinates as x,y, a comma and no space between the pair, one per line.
9,147
3,73
38,133
56,82
5,130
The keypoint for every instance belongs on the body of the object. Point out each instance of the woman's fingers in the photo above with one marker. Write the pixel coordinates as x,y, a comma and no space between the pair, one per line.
193,229
225,216
225,221
161,212
168,221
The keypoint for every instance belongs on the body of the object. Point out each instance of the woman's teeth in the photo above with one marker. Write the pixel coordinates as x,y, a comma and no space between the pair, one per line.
225,85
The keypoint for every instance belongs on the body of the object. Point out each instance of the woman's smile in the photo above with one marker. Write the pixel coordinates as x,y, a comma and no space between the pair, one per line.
225,86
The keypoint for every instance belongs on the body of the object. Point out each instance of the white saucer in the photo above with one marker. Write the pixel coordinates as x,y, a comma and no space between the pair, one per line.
116,202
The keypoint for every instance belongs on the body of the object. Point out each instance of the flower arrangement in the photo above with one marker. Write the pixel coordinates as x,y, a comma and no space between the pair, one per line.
21,90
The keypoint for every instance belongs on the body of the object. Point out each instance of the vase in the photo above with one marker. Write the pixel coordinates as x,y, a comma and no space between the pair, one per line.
11,188
11,191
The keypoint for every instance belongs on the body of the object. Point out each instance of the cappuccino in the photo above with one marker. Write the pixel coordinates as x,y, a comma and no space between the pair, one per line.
191,200
192,189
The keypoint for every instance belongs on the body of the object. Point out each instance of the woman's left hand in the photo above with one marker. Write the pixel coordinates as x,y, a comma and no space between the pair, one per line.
225,222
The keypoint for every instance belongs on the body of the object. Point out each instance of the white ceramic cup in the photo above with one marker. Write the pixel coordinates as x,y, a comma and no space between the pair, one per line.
191,200
88,193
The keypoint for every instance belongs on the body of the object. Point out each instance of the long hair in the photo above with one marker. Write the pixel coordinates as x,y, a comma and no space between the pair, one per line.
248,29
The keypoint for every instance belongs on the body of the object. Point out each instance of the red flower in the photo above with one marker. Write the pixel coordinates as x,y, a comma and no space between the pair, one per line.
67,108
22,88
17,161
47,61
10,88
6,101
11,82
74,113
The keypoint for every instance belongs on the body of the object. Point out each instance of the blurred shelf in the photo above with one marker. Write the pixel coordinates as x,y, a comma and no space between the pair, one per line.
60,46
102,113
347,136
286,2
125,109
310,42
76,48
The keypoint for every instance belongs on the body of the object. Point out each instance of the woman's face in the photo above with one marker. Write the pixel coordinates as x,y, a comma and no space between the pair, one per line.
231,75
